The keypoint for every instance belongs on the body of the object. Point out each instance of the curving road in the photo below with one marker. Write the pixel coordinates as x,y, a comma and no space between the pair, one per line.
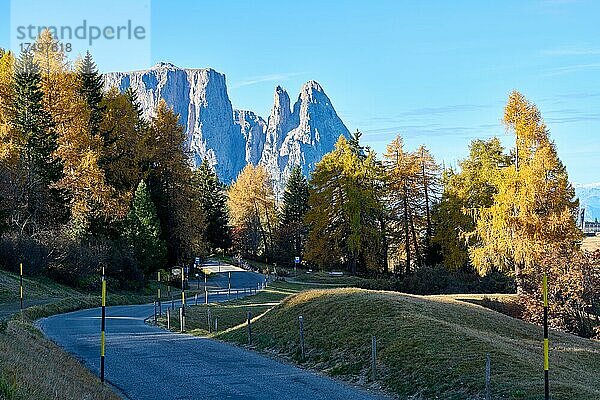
145,362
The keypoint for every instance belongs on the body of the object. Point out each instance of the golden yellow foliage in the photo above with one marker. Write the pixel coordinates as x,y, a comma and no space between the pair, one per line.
251,201
10,141
78,150
251,196
533,209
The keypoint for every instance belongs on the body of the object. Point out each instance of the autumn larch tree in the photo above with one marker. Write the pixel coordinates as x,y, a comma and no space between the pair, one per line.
534,207
169,182
251,203
345,212
402,175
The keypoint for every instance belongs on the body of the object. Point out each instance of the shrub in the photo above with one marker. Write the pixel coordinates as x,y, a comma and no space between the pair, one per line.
573,292
77,263
32,252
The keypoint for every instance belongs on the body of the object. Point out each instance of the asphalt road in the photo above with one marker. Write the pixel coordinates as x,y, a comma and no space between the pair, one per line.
145,362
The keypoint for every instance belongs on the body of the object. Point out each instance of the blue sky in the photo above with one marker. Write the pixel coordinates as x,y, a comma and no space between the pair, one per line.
436,72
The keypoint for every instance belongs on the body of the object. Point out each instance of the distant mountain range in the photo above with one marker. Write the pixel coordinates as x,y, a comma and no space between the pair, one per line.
292,135
589,199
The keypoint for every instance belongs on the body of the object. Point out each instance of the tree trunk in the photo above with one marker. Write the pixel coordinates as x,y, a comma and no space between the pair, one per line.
518,279
406,228
414,236
427,214
269,229
260,227
384,249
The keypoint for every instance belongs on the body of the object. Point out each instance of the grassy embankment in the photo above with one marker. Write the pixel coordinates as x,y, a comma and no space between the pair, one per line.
32,367
428,346
232,313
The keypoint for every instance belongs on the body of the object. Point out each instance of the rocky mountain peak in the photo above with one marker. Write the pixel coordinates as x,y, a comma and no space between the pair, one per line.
281,107
311,86
312,92
228,138
164,65
302,139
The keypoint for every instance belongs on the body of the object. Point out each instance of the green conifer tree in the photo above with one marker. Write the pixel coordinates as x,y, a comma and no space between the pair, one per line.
143,231
212,198
345,210
91,88
293,229
41,168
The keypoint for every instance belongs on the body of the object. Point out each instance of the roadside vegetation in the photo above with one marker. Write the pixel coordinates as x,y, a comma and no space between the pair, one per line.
31,366
89,179
88,183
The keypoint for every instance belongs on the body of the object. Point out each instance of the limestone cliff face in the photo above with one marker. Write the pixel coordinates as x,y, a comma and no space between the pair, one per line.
200,98
229,139
254,130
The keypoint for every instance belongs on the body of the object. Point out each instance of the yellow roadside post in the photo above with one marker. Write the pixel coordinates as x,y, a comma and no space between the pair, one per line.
546,344
103,326
21,287
158,296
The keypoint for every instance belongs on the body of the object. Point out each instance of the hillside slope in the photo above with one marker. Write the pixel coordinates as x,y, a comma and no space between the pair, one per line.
33,288
428,347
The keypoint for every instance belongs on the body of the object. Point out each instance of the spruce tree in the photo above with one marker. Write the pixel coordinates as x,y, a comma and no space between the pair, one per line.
91,87
32,121
143,231
213,201
295,205
465,193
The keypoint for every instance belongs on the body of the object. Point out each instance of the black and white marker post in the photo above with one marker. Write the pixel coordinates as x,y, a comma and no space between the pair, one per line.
182,299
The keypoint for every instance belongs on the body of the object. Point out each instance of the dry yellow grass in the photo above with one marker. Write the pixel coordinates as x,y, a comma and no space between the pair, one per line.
32,367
